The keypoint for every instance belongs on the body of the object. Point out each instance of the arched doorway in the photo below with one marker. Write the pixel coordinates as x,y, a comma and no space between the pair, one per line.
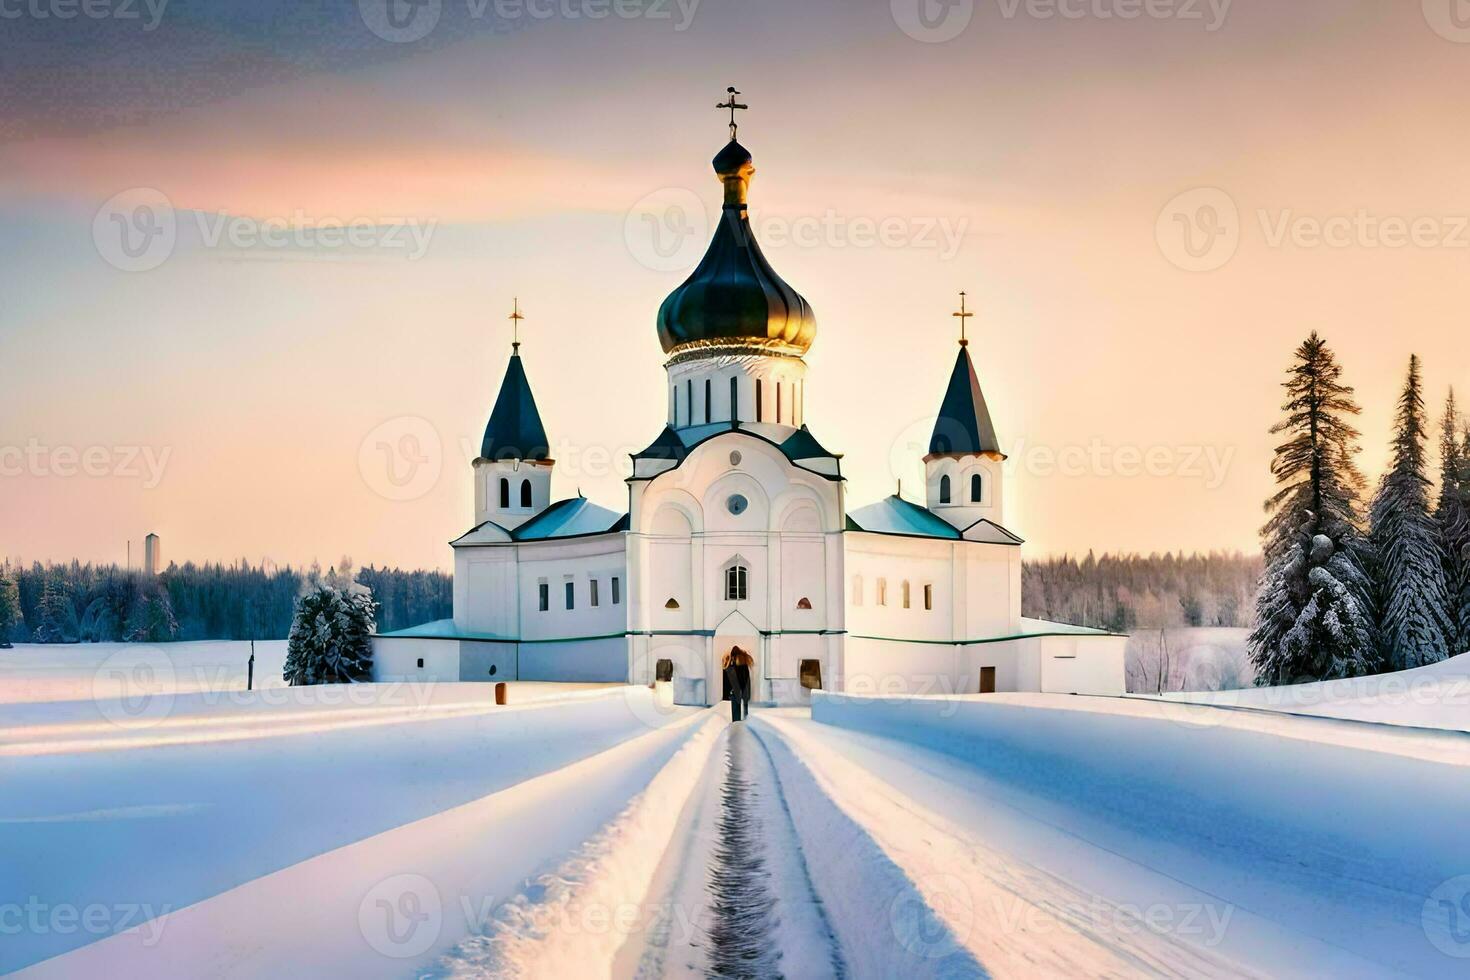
735,631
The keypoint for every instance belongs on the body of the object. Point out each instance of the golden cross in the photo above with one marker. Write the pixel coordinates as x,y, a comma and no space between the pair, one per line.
732,105
515,324
964,315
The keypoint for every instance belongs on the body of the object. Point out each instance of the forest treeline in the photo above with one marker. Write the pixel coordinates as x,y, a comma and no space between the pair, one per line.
1127,592
69,603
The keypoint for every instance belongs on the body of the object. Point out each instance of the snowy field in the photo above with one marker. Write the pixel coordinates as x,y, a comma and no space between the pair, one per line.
402,832
82,671
1437,696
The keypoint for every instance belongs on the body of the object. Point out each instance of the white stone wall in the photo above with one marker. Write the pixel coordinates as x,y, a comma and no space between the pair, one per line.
962,511
781,380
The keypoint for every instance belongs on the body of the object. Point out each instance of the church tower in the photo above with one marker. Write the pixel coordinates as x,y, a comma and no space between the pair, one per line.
963,474
734,331
513,471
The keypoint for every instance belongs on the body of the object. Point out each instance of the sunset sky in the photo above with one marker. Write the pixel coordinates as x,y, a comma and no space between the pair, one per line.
237,397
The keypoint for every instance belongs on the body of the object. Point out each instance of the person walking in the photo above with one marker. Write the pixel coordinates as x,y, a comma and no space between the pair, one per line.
743,662
732,684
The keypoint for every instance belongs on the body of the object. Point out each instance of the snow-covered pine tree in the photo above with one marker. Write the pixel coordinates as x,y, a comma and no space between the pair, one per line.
331,636
1452,517
1313,614
56,619
9,606
1408,568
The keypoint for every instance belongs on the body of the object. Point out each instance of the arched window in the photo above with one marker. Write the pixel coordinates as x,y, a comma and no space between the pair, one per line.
758,407
803,603
504,493
905,594
857,590
734,399
672,603
882,592
709,397
944,489
976,485
525,493
737,583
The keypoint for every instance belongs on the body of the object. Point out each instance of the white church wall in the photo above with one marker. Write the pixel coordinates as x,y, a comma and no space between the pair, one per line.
487,662
1083,665
486,586
888,561
586,662
962,511
414,659
577,563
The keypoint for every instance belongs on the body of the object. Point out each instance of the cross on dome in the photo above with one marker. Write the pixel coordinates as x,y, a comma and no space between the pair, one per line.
515,324
964,315
732,105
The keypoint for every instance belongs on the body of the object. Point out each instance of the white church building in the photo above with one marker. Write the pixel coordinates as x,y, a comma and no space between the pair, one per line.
738,532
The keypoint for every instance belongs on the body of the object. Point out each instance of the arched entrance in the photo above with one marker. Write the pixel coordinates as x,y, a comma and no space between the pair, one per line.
734,631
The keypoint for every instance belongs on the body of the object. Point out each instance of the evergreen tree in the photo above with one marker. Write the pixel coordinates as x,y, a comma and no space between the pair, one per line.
56,619
152,618
9,607
1452,517
331,637
1313,615
1409,567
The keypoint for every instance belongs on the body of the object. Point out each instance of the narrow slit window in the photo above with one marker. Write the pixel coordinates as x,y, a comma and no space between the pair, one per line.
571,595
617,590
928,597
944,489
545,596
906,594
976,486
592,594
525,493
504,493
734,399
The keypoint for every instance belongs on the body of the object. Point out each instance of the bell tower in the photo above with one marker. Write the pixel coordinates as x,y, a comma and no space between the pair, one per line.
963,470
513,470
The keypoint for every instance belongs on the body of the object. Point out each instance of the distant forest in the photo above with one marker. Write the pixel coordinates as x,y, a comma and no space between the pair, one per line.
1128,592
240,601
76,602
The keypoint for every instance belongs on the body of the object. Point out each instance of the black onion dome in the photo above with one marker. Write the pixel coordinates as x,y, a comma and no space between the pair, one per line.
734,297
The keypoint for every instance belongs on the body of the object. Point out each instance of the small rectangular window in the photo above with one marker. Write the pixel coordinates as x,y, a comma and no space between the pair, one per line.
571,595
882,592
617,591
928,597
545,591
592,597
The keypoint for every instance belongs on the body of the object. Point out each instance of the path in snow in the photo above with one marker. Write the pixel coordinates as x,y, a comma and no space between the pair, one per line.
736,900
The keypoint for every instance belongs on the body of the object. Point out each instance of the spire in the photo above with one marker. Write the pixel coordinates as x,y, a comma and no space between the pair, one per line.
515,430
964,315
964,427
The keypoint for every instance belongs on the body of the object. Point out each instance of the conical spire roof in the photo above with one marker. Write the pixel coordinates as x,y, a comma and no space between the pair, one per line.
515,430
964,426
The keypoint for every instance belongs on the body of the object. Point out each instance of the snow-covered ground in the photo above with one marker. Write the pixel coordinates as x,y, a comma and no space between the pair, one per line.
382,831
80,671
1437,696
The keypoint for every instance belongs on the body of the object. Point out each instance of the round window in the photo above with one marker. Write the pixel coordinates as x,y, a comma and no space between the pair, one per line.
735,458
736,504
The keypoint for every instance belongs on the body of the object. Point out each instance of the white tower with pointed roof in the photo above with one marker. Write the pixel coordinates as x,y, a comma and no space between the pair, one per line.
964,477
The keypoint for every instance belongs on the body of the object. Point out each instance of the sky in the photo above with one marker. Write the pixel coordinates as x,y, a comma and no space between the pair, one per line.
258,256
